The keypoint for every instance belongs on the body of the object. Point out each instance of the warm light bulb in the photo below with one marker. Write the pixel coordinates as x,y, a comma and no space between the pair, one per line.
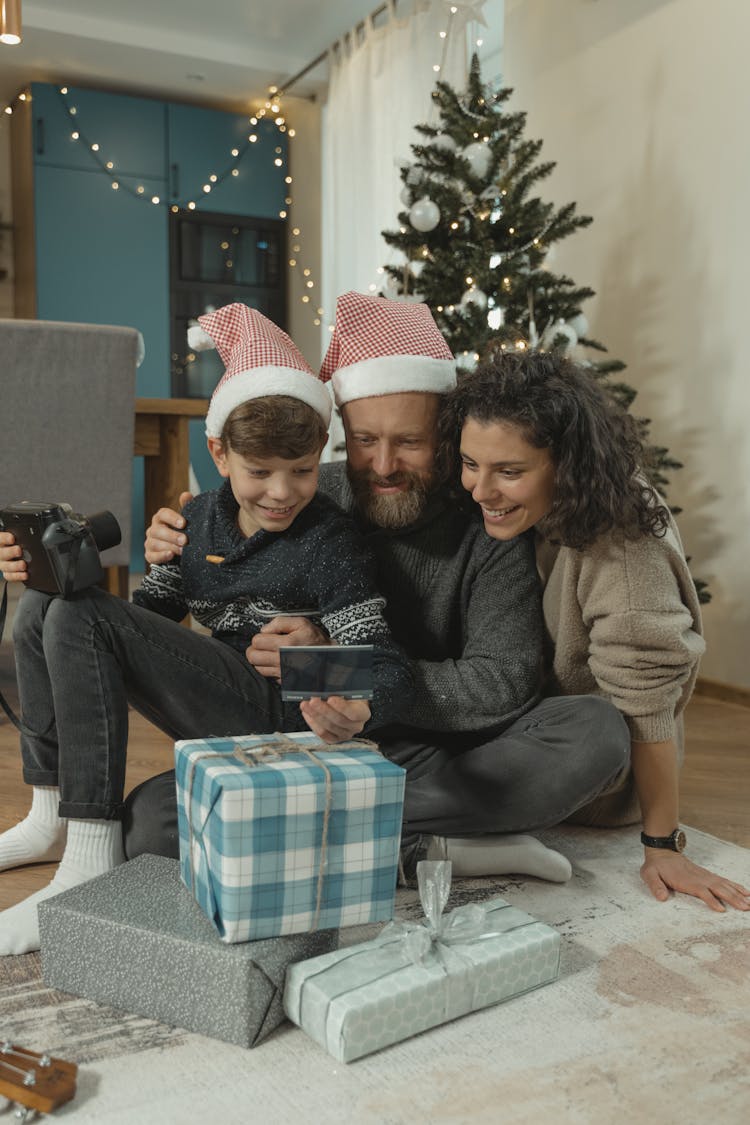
253,138
278,161
295,231
207,188
74,136
140,189
213,178
292,133
191,206
235,152
155,199
235,172
282,214
115,185
95,148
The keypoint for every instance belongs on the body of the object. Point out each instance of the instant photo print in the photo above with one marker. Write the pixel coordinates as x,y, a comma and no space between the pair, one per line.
317,671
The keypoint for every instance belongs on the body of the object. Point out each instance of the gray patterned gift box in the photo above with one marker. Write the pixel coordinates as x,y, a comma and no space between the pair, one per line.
135,939
283,834
413,977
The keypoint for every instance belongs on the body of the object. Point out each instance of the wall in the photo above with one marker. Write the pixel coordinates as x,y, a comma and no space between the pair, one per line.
6,217
643,105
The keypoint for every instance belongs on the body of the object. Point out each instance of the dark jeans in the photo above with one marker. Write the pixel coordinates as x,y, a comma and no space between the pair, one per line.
81,660
549,763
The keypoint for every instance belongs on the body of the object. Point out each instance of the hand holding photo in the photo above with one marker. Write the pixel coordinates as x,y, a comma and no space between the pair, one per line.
318,671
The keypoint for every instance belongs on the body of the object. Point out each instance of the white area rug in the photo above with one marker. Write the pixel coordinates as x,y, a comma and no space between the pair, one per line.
648,1023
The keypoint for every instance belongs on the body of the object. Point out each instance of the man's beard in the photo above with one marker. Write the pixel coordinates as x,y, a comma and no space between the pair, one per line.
397,510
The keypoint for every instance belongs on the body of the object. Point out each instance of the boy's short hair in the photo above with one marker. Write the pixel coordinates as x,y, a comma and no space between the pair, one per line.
274,426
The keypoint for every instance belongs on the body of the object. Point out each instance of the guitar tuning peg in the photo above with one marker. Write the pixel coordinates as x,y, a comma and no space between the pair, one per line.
24,1113
44,1060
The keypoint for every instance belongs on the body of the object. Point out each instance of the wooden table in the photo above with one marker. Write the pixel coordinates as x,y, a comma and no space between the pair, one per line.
162,438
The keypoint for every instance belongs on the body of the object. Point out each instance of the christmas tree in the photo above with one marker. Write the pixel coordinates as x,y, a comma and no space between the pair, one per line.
478,245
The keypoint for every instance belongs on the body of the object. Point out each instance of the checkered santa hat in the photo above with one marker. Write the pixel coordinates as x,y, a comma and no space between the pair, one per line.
259,359
383,347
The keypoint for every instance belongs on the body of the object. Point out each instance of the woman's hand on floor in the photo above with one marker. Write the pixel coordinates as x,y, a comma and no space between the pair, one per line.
663,872
335,719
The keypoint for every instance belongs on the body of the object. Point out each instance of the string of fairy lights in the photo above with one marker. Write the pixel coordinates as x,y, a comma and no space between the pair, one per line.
268,114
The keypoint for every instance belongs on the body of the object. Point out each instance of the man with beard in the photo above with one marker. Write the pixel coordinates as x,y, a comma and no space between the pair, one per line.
485,758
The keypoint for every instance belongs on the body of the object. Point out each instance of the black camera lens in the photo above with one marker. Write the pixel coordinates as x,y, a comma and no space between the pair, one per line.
105,530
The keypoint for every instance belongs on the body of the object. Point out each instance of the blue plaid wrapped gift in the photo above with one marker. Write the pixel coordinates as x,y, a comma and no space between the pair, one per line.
285,834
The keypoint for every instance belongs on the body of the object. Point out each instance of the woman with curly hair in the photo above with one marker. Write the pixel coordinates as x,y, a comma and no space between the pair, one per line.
540,444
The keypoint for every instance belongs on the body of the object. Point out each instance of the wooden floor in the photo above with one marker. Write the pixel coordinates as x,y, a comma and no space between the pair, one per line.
715,779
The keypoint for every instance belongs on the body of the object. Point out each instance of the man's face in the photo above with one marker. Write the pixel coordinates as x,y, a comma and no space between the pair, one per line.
390,445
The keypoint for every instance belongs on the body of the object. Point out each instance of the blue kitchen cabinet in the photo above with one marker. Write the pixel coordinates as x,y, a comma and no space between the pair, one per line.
130,132
102,256
200,145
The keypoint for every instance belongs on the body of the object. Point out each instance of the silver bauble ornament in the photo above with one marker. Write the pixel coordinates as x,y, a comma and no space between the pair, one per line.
496,318
424,214
405,196
479,157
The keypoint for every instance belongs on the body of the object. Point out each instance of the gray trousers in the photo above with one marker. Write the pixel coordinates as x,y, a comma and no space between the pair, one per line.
548,764
81,660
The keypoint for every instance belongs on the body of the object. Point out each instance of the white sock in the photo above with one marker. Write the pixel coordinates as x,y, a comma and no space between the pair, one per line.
94,847
501,855
40,837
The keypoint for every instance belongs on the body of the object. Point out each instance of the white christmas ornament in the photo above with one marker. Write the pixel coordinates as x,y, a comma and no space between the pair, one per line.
413,176
424,214
464,11
554,331
405,196
416,267
495,261
496,318
579,324
475,297
444,142
479,157
467,361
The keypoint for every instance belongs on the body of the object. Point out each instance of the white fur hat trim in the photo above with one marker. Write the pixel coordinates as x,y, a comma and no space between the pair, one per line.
258,382
393,374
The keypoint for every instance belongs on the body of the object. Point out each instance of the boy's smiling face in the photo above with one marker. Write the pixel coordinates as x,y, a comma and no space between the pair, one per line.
270,491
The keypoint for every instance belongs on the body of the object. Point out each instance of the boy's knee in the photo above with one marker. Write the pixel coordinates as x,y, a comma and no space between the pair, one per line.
30,613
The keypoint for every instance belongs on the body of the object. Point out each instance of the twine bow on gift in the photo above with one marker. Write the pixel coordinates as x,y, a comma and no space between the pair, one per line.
464,924
274,748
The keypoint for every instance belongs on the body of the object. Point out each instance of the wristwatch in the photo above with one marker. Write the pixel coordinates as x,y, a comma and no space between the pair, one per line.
675,842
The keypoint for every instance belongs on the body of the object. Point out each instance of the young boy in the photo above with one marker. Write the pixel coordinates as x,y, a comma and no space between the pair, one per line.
262,545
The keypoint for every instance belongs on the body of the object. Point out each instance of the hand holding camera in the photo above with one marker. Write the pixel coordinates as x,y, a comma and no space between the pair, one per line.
53,548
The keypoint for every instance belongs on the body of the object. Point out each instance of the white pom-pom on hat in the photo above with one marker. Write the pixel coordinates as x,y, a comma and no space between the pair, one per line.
199,340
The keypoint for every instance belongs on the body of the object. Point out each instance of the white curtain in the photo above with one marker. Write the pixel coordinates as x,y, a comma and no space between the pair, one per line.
379,89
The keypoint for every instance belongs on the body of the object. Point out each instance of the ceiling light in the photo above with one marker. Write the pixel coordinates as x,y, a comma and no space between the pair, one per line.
10,22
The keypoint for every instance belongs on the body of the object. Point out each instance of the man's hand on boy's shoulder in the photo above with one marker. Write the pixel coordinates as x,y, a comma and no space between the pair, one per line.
165,535
263,650
12,565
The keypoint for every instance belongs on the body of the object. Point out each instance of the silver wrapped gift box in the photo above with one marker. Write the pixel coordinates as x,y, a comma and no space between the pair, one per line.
135,939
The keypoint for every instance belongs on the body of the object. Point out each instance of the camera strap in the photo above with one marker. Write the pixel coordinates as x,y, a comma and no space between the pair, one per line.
3,701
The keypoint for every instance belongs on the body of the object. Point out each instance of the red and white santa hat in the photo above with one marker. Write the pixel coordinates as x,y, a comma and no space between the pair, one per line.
384,347
259,359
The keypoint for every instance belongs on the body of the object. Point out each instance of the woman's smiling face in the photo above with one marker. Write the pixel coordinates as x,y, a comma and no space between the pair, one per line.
512,481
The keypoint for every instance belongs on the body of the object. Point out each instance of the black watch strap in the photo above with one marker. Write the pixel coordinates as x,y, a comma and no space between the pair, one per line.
675,842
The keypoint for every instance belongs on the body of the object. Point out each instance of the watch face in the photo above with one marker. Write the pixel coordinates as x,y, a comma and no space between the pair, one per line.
680,840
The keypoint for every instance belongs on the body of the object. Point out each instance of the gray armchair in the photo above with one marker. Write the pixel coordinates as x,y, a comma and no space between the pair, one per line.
67,403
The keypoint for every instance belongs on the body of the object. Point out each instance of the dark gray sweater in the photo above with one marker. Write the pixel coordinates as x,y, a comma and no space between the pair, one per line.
318,568
467,609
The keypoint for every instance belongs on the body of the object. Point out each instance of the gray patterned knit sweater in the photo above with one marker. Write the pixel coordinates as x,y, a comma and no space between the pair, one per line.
467,609
318,568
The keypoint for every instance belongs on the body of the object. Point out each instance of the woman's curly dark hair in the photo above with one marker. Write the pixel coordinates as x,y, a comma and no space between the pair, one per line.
557,405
